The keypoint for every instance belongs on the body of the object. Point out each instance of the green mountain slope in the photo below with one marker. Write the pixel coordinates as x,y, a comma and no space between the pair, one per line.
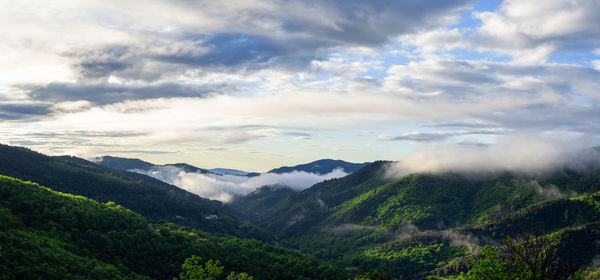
123,163
413,225
152,198
259,201
50,235
299,212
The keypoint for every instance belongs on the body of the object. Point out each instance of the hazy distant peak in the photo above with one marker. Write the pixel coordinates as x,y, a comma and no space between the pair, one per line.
322,166
227,171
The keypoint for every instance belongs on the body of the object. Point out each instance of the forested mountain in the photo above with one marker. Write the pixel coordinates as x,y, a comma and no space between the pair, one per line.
423,225
126,164
261,200
322,166
152,198
123,163
426,224
292,214
50,235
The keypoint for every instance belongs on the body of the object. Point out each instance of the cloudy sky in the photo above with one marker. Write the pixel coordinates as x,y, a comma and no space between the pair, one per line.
258,84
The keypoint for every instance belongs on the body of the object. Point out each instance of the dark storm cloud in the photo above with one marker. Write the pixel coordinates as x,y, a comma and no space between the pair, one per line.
104,93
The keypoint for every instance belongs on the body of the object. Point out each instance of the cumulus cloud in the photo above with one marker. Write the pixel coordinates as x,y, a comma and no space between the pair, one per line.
523,28
224,187
522,153
520,30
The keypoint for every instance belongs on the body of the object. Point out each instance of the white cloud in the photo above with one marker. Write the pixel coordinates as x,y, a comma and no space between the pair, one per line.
521,153
528,31
532,30
596,64
224,187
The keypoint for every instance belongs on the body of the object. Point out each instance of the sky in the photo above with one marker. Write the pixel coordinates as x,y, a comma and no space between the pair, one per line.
255,85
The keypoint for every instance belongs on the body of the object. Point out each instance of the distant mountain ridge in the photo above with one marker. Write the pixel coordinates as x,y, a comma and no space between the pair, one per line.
126,164
322,166
123,163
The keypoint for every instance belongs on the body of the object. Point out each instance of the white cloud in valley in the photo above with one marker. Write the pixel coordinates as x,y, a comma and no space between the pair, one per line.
225,187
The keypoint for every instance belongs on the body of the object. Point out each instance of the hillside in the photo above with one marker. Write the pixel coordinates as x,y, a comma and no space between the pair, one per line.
296,213
152,198
417,224
45,234
123,163
260,201
429,201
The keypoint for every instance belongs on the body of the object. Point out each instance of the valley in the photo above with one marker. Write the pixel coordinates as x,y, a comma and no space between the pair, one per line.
426,225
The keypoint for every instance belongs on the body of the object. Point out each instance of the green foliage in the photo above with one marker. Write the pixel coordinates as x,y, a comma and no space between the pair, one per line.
532,259
488,208
239,276
358,222
491,267
428,254
62,236
194,270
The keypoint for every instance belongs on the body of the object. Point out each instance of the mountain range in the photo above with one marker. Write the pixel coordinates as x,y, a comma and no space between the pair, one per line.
367,223
322,166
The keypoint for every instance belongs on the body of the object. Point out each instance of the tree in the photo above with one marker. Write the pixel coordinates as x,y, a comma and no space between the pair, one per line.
491,267
193,270
530,259
212,270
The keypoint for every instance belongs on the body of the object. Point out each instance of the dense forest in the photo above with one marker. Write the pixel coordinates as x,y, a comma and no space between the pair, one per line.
68,218
45,234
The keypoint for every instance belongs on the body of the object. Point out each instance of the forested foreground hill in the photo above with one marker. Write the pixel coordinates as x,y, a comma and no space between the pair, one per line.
154,199
45,234
424,225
